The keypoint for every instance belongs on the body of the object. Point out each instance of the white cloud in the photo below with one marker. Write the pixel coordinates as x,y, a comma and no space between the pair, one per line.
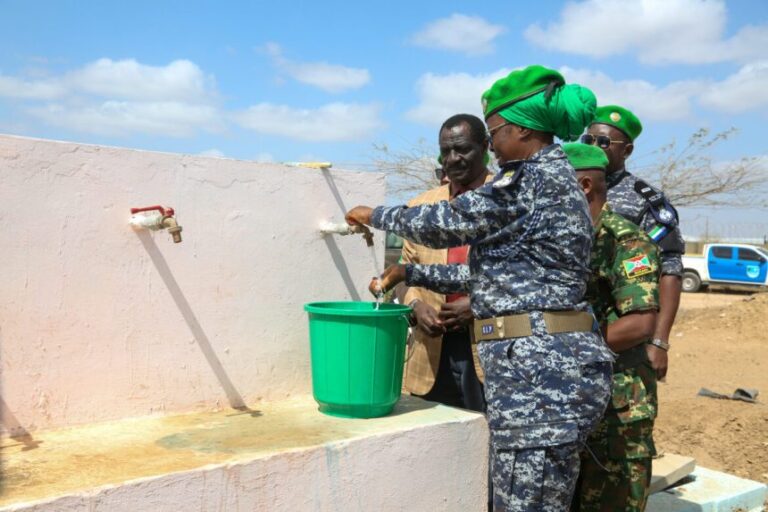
442,96
181,80
332,122
743,91
658,31
122,97
328,77
173,119
650,102
471,35
19,88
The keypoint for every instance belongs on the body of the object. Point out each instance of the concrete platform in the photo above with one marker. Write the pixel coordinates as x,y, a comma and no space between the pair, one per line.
283,456
711,491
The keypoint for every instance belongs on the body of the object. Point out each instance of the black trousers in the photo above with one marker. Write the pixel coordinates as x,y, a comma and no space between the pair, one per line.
456,383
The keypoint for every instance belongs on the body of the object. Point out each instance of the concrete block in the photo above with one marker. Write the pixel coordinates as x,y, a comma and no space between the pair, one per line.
283,456
711,491
668,469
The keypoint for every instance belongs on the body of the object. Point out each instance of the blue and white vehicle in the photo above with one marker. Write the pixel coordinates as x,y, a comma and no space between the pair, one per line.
728,264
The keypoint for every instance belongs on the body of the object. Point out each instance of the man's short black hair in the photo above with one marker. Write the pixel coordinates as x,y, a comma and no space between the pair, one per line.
476,126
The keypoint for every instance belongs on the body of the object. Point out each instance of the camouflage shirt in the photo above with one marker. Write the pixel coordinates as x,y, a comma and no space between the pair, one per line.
530,233
625,269
658,220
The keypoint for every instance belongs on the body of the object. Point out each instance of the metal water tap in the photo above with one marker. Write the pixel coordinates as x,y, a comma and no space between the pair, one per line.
164,219
330,228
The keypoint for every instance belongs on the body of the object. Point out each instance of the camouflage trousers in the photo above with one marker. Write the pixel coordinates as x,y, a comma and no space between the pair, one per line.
545,393
616,470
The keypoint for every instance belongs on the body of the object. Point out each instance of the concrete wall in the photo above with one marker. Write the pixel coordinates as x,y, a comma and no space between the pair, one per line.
98,321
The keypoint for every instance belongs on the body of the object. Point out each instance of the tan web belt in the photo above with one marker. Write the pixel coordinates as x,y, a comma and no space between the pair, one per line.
519,325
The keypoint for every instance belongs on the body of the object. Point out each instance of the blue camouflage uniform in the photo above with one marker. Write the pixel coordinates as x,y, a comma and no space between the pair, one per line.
531,235
647,207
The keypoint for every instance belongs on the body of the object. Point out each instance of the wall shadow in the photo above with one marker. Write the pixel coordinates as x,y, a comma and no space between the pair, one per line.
16,430
330,242
233,396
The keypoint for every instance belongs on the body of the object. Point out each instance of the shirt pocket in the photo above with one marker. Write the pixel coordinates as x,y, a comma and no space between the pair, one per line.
630,400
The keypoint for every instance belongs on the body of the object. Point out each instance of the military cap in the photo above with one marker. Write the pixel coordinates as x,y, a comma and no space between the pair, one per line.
519,85
620,118
585,156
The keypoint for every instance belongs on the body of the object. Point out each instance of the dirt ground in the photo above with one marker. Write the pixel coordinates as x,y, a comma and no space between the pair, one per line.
719,342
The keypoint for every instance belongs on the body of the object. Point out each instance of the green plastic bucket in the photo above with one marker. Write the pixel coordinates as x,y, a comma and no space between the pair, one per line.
357,356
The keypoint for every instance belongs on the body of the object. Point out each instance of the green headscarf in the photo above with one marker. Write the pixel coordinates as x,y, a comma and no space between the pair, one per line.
538,98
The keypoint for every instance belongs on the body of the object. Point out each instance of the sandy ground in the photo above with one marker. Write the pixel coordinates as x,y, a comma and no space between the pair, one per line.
719,342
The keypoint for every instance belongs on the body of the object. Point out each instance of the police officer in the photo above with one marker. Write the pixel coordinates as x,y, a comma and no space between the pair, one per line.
547,373
614,130
623,291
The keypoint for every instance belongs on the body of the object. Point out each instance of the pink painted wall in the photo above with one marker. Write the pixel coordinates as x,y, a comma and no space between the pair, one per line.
98,321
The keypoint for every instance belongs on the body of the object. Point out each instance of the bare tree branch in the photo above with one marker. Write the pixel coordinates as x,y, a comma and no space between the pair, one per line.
410,171
689,176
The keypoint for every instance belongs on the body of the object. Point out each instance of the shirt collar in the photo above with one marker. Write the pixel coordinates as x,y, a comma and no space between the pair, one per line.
614,178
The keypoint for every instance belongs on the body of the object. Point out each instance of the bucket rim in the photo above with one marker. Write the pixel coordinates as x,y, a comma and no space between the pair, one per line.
336,308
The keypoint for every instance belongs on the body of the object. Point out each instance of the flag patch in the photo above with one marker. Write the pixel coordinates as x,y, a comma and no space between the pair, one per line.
637,266
487,329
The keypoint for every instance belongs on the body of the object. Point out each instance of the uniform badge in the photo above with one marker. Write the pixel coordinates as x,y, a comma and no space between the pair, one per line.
615,117
637,266
487,329
506,180
665,215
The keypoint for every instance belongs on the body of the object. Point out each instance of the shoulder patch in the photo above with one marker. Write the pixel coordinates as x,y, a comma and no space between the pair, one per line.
662,211
507,178
618,226
637,266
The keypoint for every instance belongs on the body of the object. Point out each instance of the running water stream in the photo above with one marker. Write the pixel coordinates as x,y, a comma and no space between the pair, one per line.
377,275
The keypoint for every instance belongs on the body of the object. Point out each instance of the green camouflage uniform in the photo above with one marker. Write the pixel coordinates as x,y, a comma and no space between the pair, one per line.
625,266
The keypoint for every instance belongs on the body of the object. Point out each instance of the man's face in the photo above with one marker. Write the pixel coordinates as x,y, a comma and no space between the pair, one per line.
618,150
462,157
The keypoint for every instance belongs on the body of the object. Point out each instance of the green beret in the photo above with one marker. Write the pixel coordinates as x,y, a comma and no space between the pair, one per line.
519,85
619,117
585,156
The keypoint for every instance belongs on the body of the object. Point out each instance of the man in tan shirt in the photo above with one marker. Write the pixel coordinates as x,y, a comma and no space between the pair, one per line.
441,365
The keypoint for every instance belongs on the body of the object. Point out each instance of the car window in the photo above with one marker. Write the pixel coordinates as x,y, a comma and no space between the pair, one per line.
749,255
722,252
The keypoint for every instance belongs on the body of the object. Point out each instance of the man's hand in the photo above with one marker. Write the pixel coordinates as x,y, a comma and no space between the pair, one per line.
359,216
456,314
658,358
391,277
427,319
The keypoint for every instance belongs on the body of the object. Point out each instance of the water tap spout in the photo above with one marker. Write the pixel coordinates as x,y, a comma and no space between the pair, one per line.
156,218
343,229
169,223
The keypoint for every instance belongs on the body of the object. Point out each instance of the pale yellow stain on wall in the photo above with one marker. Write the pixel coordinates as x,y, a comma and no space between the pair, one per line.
70,460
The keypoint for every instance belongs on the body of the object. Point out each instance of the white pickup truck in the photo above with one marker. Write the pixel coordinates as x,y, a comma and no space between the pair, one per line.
734,264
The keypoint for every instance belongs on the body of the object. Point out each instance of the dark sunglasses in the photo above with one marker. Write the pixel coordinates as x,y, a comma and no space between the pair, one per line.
602,141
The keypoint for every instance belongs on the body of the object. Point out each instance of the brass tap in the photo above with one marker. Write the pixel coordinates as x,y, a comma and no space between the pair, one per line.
169,223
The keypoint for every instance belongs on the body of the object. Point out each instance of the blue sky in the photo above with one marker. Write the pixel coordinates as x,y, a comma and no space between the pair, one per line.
327,80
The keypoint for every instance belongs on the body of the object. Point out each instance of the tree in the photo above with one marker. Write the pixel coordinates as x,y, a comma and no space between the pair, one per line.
410,171
690,177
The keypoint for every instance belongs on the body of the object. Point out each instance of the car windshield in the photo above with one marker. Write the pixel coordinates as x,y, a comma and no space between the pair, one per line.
763,252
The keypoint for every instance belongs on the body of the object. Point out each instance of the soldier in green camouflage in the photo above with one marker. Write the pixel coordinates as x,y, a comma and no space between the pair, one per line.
623,291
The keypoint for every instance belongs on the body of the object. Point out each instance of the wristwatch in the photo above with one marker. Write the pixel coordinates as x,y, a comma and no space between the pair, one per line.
663,345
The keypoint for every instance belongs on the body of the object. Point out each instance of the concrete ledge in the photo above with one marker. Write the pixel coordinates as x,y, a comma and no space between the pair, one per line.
284,456
711,491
